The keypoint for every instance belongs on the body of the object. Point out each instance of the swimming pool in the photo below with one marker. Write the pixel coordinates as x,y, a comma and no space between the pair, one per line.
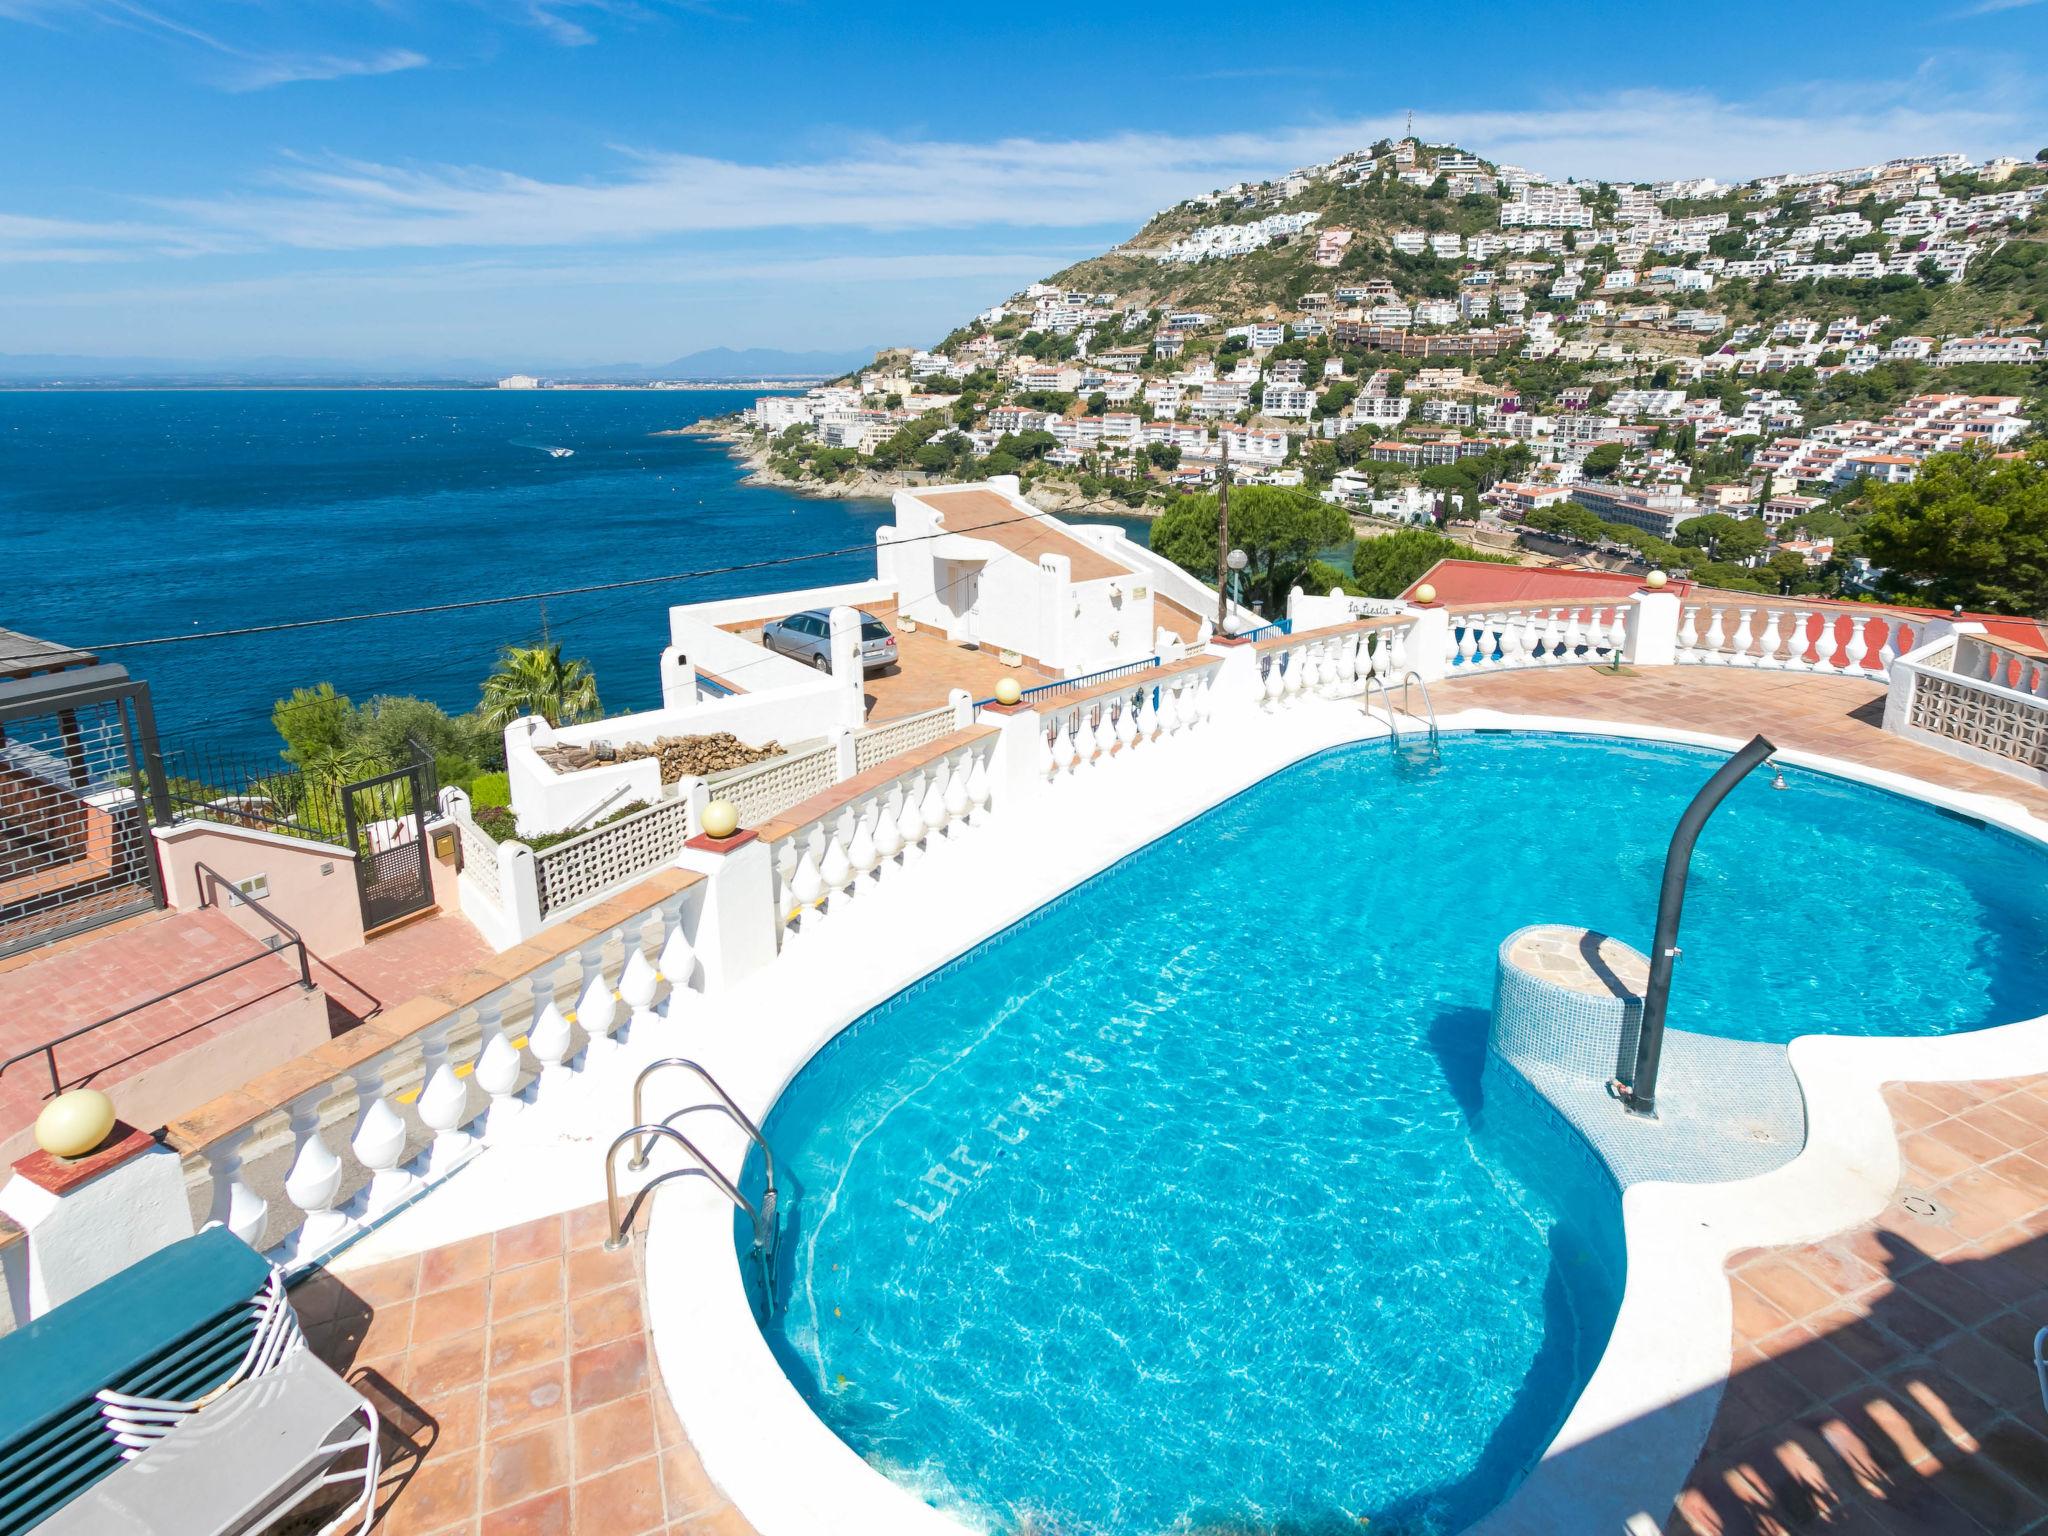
1177,1207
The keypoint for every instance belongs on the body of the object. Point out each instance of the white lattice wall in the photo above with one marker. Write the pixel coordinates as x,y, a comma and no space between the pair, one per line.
480,858
873,747
610,856
1992,720
767,789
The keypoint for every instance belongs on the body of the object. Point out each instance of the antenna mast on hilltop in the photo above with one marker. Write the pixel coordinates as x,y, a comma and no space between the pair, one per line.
1411,124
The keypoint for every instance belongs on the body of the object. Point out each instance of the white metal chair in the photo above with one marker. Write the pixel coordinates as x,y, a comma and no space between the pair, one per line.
137,1423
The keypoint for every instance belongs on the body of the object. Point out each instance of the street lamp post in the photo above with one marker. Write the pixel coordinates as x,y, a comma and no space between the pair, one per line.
1237,560
1223,543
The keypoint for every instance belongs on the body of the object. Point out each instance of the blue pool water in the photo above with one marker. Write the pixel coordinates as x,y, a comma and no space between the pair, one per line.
1179,1208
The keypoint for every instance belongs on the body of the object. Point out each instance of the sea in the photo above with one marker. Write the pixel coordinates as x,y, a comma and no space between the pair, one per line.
138,516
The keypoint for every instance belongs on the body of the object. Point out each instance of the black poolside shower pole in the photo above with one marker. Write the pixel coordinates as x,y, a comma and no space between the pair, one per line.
1639,1094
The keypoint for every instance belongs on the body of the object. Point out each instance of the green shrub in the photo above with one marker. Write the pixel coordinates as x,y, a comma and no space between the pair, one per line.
487,791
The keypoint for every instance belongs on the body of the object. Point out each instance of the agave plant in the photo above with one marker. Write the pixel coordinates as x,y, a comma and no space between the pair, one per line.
535,680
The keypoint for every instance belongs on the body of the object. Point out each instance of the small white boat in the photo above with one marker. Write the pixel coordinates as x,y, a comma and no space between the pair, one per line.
561,453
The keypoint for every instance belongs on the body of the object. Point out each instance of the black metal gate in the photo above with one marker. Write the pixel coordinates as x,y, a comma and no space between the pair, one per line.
384,821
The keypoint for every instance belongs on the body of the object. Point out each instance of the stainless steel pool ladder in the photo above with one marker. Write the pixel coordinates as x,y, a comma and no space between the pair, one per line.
1412,679
643,1134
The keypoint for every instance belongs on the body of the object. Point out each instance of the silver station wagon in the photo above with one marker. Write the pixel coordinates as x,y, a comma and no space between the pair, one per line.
807,636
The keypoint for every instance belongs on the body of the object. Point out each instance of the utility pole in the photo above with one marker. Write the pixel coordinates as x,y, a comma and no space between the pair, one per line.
1223,542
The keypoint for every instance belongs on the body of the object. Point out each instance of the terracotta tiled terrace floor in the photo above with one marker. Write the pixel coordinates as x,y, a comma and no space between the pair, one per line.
1883,1380
1839,716
80,983
928,668
518,1388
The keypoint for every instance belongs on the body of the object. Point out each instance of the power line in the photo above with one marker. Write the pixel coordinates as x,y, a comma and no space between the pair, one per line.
285,707
284,625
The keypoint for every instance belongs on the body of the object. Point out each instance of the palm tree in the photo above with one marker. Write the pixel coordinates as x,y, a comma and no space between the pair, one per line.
534,680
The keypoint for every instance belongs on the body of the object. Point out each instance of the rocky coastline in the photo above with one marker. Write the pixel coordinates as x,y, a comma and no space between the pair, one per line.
1049,495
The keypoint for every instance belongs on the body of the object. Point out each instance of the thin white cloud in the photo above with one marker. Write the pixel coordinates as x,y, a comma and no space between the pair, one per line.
261,72
665,199
246,67
881,184
472,277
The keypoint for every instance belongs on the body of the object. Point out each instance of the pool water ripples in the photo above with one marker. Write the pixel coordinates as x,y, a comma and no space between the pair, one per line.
1180,1207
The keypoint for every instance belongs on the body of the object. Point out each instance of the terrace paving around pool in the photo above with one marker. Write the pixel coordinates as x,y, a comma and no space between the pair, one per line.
516,1379
1840,717
1882,1377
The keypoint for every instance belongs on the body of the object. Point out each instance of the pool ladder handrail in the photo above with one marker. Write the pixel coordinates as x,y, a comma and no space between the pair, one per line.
724,1106
644,1133
1412,677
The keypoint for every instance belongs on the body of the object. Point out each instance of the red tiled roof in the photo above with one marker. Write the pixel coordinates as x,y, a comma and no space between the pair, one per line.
1480,581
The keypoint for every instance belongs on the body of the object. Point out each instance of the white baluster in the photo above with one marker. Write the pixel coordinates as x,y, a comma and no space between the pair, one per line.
498,1070
910,825
977,791
1888,651
550,1039
443,1105
379,1145
1688,634
1146,718
1824,643
1275,684
1127,725
863,853
1400,663
1347,662
235,1204
888,835
676,965
1574,636
806,893
1771,641
1744,639
1087,740
1716,637
1862,655
597,1009
836,868
314,1181
956,803
639,983
1617,629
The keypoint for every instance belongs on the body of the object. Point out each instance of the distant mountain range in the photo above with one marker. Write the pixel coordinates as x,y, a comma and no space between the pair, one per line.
712,363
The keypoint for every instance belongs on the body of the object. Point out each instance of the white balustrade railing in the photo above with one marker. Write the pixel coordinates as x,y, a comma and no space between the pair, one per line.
1121,723
357,1147
1335,666
1791,637
2019,668
878,836
1536,635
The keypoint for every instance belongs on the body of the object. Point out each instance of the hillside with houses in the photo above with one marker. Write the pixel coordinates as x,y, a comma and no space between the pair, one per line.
1421,336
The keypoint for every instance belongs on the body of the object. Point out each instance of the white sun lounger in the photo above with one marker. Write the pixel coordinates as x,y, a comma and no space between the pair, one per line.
259,1451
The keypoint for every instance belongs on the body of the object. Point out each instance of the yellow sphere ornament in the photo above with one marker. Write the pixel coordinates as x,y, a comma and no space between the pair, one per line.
1425,594
721,819
75,1123
1655,581
1007,691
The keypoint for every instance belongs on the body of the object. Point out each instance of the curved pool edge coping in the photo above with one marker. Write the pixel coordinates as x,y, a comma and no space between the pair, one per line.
1637,1428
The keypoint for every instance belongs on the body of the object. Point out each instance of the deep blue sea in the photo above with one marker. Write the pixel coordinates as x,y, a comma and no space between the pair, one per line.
130,515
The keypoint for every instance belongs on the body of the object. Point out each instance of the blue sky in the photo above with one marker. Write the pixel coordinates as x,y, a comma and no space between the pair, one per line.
542,182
